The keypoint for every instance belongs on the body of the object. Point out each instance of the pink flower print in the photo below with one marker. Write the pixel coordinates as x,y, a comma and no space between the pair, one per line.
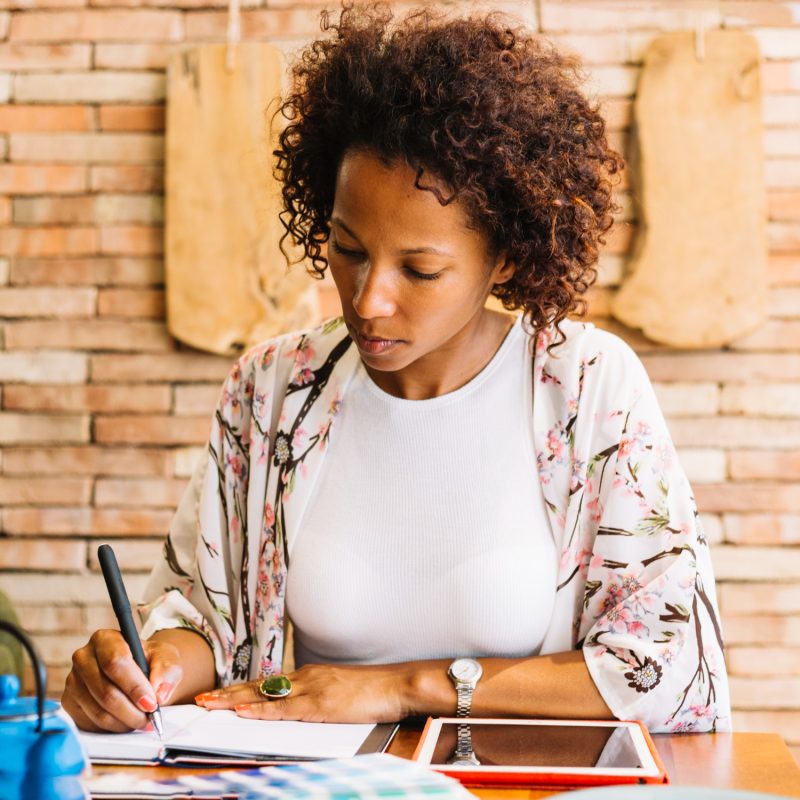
303,353
637,628
555,445
269,515
595,509
267,356
336,405
263,583
625,447
630,584
299,440
303,377
618,619
701,711
596,561
235,465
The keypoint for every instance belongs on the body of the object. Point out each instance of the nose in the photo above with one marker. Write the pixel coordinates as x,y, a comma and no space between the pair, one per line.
374,293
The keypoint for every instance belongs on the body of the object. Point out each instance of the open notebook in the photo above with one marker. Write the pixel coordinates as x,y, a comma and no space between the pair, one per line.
195,735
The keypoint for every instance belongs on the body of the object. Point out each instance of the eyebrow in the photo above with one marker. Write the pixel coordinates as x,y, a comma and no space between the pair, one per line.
407,252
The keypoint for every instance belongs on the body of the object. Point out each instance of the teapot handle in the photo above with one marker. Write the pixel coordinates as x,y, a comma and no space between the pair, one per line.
39,669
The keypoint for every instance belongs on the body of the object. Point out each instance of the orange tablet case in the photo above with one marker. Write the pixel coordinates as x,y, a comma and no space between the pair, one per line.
487,777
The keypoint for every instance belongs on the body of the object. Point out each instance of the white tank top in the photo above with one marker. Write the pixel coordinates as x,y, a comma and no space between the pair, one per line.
427,535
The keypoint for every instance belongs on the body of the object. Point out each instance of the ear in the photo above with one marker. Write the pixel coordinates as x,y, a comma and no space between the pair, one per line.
504,269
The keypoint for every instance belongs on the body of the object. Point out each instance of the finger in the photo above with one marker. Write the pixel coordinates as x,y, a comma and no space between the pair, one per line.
166,671
231,696
106,693
116,663
86,711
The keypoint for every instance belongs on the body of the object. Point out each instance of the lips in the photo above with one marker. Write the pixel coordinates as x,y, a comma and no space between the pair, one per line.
373,345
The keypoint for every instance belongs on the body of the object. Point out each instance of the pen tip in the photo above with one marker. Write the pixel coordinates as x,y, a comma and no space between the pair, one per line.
158,724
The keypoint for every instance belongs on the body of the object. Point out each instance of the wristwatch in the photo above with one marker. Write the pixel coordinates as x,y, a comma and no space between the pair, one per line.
465,674
464,755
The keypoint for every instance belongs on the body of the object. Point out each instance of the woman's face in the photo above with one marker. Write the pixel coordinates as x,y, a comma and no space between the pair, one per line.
412,277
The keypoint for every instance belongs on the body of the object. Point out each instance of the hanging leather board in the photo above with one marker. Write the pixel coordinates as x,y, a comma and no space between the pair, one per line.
227,282
698,276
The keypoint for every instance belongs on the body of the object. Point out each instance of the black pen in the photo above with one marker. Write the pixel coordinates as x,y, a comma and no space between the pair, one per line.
122,608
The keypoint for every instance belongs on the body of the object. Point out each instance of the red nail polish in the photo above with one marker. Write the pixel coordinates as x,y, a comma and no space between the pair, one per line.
242,707
147,704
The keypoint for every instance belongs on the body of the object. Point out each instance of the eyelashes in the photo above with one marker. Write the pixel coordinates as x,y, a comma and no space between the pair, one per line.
416,275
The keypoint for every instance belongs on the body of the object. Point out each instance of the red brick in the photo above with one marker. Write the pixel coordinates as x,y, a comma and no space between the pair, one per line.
127,179
139,55
589,15
785,235
41,428
736,432
750,563
66,590
91,148
90,87
762,400
40,179
90,460
784,268
778,661
197,399
43,367
781,173
93,397
105,208
47,302
132,118
761,629
95,334
148,303
746,13
721,366
759,598
51,619
15,118
784,205
762,529
57,649
764,465
186,459
95,522
97,26
780,76
781,109
772,335
55,556
134,240
682,399
164,430
784,302
98,617
139,555
5,210
747,693
329,303
144,493
30,491
88,272
189,366
596,48
256,24
48,241
739,496
781,142
47,57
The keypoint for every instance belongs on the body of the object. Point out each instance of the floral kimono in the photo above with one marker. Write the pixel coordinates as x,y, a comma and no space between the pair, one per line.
635,589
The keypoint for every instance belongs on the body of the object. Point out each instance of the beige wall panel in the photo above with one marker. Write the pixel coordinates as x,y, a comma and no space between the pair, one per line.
698,275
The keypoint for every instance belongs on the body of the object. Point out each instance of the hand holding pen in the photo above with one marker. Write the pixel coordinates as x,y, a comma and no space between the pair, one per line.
107,688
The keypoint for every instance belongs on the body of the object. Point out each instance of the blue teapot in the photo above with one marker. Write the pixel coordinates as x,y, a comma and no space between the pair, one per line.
40,754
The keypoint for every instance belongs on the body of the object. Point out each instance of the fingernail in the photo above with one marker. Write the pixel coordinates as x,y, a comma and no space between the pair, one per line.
147,703
164,691
242,707
205,697
149,727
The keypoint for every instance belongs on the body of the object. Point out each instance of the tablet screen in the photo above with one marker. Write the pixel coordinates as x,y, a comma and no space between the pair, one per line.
565,746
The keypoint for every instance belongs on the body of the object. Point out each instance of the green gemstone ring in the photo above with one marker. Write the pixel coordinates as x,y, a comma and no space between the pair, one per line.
275,687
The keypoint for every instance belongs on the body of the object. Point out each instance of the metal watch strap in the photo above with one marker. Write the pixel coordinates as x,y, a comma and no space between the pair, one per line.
464,692
464,741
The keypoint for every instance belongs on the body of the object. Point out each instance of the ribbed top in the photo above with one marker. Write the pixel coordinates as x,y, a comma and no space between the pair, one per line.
427,535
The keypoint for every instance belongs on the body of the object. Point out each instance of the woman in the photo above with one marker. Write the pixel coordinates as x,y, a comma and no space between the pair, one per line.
426,478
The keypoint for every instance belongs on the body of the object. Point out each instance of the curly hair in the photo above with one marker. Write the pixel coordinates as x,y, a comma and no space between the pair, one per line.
489,109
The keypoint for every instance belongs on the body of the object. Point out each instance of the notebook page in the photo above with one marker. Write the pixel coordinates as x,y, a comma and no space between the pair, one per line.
139,745
224,732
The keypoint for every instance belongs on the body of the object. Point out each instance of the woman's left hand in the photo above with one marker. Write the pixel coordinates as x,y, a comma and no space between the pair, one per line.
323,693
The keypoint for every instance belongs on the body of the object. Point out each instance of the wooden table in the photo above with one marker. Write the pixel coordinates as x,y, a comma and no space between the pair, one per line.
754,761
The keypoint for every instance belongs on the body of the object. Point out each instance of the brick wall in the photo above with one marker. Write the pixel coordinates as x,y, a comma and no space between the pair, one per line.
98,436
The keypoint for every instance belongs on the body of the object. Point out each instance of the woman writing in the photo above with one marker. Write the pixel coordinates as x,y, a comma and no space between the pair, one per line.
457,508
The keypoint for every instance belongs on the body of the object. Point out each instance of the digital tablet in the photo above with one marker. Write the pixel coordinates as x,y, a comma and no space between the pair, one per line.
540,752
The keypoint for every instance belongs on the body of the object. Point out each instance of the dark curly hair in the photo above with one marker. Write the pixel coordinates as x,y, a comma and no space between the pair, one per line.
489,109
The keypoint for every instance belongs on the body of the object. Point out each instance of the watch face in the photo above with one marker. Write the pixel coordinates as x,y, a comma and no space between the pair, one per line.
466,669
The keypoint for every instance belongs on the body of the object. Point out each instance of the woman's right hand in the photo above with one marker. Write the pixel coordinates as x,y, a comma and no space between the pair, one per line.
106,690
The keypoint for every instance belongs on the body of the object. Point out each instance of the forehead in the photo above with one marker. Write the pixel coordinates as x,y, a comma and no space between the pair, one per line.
374,192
